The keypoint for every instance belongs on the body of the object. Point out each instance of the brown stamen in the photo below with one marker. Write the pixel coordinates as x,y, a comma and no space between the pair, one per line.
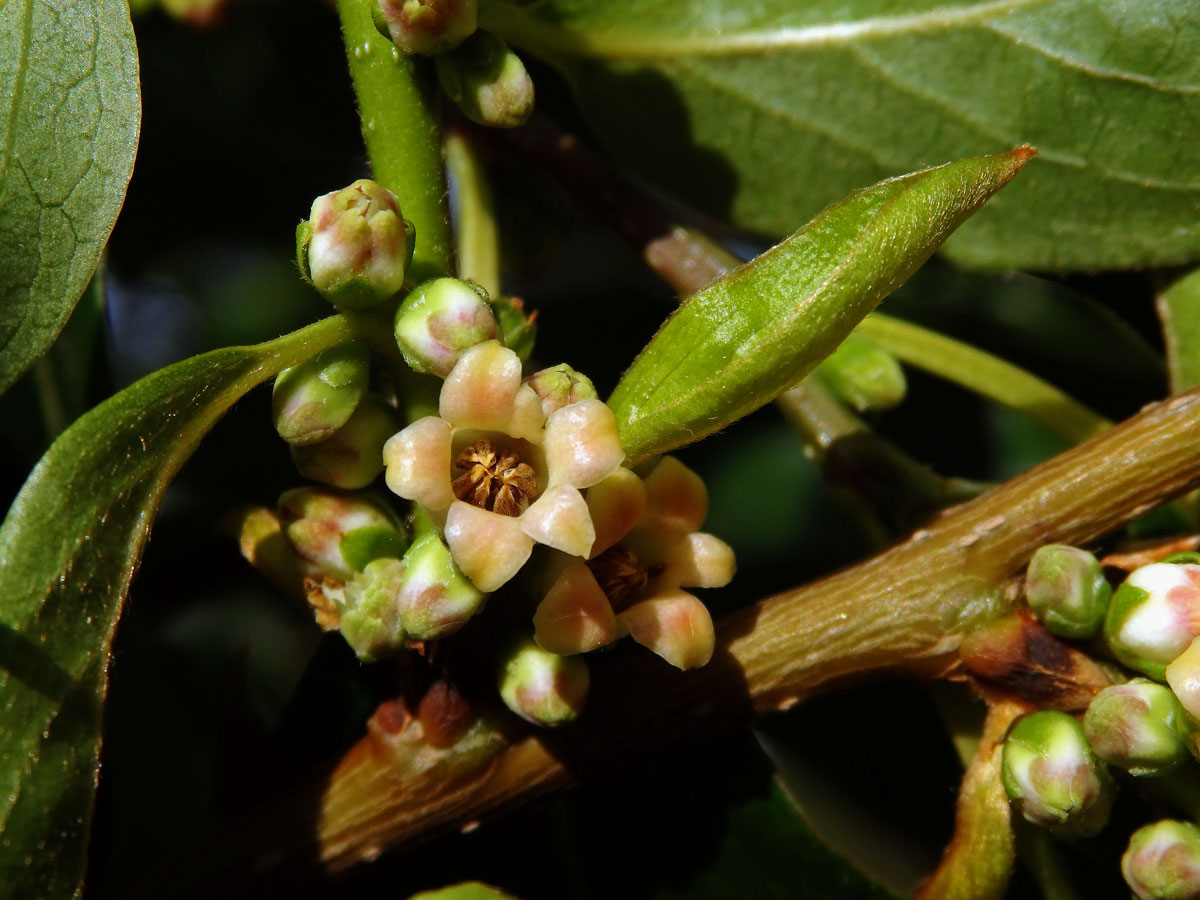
619,575
494,479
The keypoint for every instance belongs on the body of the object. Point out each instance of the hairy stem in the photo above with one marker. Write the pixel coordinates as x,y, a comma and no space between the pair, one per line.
396,101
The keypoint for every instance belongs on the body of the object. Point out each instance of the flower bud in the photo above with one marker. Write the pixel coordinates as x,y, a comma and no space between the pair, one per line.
370,614
516,328
440,320
541,687
353,457
487,81
436,599
560,386
1162,861
264,545
1183,675
1067,591
1153,616
336,533
1138,726
1052,776
864,375
355,246
314,399
425,26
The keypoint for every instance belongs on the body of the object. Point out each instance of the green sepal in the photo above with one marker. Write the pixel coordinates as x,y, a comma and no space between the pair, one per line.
864,375
363,545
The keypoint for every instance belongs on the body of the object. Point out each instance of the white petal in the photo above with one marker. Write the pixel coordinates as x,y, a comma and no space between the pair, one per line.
560,519
418,463
481,389
575,615
582,445
701,560
617,504
676,626
488,547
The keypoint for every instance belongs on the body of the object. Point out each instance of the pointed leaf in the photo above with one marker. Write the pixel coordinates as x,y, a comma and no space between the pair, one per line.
68,550
765,112
69,118
741,341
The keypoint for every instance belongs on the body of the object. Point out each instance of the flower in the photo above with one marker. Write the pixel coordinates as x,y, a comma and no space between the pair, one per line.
647,548
498,472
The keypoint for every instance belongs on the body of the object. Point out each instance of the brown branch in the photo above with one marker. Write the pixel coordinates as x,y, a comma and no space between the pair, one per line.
905,610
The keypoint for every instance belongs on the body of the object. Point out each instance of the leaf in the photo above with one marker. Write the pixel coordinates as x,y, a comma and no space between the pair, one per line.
764,113
742,340
1179,313
68,550
69,118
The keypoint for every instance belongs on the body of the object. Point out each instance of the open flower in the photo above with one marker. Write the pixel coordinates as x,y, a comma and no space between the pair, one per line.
498,471
646,550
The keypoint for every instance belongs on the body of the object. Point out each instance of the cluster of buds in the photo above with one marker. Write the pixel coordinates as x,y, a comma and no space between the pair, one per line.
1055,767
509,464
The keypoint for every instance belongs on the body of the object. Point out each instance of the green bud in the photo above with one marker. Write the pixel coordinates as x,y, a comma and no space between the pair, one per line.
436,598
353,457
1162,861
516,328
864,375
314,399
440,320
1051,775
1138,726
370,611
1154,616
541,687
1067,591
487,81
1183,675
425,26
560,386
355,246
337,533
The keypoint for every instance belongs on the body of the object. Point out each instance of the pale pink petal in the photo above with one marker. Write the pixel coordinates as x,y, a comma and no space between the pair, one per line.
1183,675
488,547
481,389
677,498
617,504
675,625
418,463
701,560
582,444
575,615
560,519
528,421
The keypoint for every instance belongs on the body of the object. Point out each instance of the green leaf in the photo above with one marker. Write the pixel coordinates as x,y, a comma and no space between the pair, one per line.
742,340
471,890
764,113
68,134
68,550
1179,313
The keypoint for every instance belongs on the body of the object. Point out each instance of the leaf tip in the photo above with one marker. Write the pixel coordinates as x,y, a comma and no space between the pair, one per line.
1022,155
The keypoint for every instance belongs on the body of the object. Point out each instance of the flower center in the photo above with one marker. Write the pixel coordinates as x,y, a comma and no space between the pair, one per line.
619,575
495,479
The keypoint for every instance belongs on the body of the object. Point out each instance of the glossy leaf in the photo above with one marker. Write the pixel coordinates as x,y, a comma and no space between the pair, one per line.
764,113
68,550
69,117
1179,313
742,340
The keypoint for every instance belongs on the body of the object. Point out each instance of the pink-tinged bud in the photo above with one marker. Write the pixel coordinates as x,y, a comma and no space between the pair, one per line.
1183,675
355,246
1067,591
1052,776
314,399
353,457
541,687
336,533
1154,616
560,386
440,320
426,27
436,599
264,545
1138,726
1163,861
370,618
487,81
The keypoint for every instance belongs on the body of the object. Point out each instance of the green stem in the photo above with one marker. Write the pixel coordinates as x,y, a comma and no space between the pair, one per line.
397,103
985,374
475,219
1041,857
